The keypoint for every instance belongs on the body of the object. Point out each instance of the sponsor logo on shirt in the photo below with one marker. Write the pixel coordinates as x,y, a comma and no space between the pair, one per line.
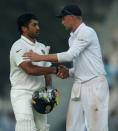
18,50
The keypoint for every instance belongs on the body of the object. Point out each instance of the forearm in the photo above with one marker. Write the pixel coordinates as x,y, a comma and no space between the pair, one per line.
36,70
48,80
50,57
42,70
71,72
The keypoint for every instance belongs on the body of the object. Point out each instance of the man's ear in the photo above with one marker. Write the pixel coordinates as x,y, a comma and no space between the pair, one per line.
24,28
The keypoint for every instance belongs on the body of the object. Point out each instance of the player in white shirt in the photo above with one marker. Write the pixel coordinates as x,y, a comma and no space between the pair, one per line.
27,77
88,107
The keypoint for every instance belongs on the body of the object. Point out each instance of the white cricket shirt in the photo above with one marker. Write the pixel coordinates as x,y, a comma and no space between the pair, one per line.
19,79
84,51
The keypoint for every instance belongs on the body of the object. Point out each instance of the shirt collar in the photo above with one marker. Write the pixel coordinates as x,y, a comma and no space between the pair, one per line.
76,31
28,41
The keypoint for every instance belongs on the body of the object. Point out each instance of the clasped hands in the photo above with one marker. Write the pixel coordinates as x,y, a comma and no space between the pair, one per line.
63,72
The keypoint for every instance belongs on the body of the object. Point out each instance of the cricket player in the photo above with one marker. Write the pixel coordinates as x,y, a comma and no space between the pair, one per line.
88,107
27,77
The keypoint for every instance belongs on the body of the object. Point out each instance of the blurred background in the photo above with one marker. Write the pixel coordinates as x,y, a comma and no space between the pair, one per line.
99,14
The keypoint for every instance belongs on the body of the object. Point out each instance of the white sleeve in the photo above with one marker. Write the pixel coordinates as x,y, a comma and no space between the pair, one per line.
71,72
77,46
18,55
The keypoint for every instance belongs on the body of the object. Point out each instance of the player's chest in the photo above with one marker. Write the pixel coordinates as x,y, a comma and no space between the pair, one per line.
38,49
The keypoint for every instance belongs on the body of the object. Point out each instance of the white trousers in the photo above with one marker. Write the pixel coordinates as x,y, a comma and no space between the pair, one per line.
22,107
90,112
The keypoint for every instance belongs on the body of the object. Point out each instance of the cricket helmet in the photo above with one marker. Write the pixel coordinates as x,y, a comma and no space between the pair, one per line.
44,100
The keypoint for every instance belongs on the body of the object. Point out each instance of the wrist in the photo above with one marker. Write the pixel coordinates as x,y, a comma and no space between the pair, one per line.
55,70
49,86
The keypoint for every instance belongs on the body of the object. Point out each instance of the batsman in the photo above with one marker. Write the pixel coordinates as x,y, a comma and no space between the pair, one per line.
27,77
88,107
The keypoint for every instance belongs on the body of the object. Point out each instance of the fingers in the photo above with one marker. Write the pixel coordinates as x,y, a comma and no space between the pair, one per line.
60,74
27,59
28,54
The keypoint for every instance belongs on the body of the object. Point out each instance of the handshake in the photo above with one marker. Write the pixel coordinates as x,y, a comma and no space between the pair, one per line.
62,72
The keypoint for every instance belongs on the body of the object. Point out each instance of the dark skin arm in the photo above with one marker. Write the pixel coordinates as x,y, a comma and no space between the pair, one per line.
36,57
36,70
48,80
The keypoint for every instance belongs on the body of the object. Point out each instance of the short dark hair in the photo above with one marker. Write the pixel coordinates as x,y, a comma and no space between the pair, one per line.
24,20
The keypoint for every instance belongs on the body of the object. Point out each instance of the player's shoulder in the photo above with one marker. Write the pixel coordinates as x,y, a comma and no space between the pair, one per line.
85,32
83,27
88,29
16,44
